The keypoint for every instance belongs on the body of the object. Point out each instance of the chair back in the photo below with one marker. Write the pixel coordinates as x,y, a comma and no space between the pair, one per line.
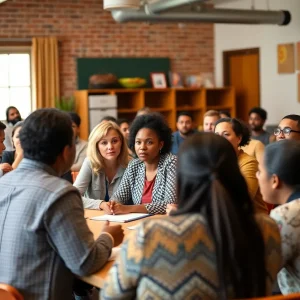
74,176
295,296
8,292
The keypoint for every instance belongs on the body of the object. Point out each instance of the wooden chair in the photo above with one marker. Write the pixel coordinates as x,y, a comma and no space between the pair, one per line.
74,175
8,292
295,296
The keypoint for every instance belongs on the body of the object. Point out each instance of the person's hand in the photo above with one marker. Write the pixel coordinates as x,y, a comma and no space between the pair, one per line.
105,206
6,167
116,231
19,149
171,207
118,209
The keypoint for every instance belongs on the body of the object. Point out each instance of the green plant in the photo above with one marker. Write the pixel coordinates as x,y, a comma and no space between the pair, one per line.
65,103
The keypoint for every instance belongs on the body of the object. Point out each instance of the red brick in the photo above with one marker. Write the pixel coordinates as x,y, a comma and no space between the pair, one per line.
86,30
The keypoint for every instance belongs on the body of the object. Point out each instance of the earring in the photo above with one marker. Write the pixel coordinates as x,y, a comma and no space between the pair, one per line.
160,151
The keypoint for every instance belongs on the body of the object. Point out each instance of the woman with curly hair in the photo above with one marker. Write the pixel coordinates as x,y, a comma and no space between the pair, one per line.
104,166
148,184
238,134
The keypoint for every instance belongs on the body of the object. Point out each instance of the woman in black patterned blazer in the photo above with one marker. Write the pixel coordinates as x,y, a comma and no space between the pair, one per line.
148,183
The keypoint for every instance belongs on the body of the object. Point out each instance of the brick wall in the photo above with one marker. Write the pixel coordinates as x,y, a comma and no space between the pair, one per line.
86,30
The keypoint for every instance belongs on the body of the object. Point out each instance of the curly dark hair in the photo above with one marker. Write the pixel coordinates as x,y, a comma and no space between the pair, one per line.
259,111
240,129
155,122
45,133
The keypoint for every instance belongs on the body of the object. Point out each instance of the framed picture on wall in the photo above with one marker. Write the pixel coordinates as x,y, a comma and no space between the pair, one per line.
159,80
286,58
175,79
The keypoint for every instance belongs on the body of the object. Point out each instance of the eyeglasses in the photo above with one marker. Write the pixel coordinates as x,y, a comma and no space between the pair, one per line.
285,131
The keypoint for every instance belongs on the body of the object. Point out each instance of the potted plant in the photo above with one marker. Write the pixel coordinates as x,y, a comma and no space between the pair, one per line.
65,103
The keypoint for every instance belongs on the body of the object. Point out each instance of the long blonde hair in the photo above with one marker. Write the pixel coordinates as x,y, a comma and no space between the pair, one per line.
93,153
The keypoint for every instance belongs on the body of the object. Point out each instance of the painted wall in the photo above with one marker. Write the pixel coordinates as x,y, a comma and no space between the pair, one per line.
278,92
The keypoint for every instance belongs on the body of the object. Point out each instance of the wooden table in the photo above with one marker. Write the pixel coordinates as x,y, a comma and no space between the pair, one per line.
97,279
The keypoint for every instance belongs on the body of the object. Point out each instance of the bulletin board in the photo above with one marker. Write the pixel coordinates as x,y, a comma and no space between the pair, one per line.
121,67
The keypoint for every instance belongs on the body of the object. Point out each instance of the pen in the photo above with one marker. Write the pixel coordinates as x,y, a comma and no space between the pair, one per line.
111,205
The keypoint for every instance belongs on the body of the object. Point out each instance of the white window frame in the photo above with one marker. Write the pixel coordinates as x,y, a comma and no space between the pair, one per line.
21,50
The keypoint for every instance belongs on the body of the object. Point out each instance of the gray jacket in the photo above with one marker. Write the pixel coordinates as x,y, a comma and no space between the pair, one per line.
44,237
93,186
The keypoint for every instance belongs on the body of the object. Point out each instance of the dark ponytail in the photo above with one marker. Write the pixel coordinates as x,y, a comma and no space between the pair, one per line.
210,183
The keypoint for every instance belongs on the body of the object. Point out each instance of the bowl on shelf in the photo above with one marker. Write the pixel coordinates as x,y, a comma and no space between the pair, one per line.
103,81
132,83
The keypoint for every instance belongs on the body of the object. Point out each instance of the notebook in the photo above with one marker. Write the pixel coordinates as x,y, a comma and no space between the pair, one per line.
121,218
114,253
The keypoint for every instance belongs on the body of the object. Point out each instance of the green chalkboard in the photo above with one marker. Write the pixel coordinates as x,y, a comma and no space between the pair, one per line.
121,67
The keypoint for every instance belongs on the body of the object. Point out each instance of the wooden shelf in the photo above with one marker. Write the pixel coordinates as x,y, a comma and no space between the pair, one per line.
159,109
219,88
97,91
119,91
187,108
189,89
168,102
128,111
156,90
218,107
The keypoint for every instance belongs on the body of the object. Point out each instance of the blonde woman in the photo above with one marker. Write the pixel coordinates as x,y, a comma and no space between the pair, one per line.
103,168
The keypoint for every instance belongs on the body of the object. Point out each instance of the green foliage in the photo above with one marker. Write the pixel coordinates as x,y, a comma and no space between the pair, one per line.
65,103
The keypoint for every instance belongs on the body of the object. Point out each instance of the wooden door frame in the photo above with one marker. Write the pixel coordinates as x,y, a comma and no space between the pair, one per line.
226,57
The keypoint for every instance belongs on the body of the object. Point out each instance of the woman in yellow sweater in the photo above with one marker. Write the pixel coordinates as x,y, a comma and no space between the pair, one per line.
238,134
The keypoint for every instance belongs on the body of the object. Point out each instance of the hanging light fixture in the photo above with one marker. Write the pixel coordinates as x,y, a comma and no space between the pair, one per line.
121,4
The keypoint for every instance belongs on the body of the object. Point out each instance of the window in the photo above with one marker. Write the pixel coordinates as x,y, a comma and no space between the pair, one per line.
15,81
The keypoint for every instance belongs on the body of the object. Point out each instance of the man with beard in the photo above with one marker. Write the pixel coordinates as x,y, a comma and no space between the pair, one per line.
185,128
12,117
257,119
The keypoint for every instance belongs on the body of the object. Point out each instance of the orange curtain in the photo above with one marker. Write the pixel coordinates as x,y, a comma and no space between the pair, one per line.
45,72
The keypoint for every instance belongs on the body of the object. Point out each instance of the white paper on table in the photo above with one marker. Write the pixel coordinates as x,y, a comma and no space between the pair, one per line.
114,253
121,218
133,227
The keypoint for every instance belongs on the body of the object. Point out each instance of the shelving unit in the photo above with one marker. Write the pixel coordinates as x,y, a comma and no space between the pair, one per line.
169,102
221,99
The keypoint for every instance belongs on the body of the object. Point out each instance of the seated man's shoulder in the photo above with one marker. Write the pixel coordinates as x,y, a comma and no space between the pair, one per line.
175,133
39,179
